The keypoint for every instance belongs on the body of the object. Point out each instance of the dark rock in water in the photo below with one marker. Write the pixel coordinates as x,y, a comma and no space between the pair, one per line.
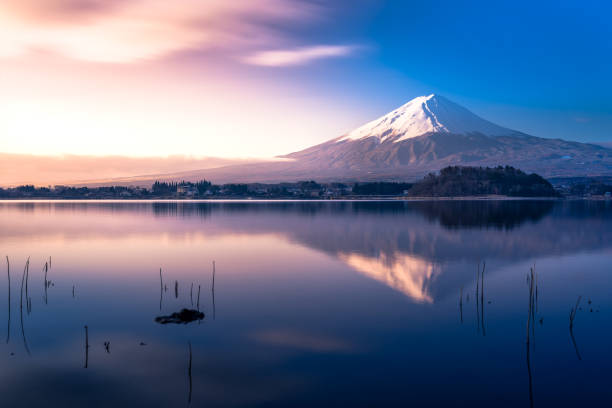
183,317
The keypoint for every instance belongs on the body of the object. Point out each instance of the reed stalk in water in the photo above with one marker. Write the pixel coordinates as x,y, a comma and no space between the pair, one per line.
189,375
46,281
482,321
28,297
161,288
86,346
532,282
529,375
213,290
572,317
477,301
27,293
8,274
25,343
461,304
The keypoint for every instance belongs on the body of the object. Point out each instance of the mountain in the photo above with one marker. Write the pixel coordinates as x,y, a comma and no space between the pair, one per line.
431,132
424,135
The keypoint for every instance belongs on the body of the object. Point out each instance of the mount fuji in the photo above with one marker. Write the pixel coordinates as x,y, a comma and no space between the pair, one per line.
431,132
424,135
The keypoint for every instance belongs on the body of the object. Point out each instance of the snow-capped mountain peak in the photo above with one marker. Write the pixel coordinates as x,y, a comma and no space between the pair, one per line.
422,115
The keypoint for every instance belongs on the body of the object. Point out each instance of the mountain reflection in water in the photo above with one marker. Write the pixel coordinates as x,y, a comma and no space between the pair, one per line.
309,304
404,273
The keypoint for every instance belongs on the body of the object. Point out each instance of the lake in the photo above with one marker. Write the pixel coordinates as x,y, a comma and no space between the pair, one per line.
312,304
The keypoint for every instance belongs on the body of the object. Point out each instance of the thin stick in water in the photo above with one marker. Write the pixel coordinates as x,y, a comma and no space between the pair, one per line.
573,313
8,273
572,317
461,304
189,375
86,346
213,290
482,321
531,280
27,293
477,301
161,288
529,376
25,343
46,281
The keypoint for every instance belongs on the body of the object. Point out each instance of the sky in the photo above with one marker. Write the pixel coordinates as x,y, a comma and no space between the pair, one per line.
259,78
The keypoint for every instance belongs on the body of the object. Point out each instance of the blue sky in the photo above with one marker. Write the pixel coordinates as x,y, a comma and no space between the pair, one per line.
542,67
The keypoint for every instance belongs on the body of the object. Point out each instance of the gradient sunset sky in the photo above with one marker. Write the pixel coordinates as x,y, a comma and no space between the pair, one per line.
258,78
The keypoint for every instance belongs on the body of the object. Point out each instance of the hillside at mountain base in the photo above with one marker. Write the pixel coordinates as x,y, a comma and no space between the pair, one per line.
458,181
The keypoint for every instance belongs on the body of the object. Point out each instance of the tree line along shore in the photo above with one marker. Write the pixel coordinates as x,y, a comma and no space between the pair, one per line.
452,181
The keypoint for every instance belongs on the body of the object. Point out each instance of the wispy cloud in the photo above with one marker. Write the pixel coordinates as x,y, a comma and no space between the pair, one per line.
297,56
127,31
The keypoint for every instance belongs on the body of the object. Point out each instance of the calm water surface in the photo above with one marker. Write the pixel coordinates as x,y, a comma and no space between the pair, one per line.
314,304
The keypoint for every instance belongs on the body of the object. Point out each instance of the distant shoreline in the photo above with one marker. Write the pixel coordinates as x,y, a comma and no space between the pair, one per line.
344,199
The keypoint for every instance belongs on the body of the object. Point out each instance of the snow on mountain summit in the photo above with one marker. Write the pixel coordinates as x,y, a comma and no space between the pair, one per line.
425,114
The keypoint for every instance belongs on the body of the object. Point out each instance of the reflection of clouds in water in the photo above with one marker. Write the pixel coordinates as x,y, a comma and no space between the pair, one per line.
301,340
410,275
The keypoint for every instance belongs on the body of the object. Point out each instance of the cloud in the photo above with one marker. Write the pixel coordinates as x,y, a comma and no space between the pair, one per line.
128,31
297,56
